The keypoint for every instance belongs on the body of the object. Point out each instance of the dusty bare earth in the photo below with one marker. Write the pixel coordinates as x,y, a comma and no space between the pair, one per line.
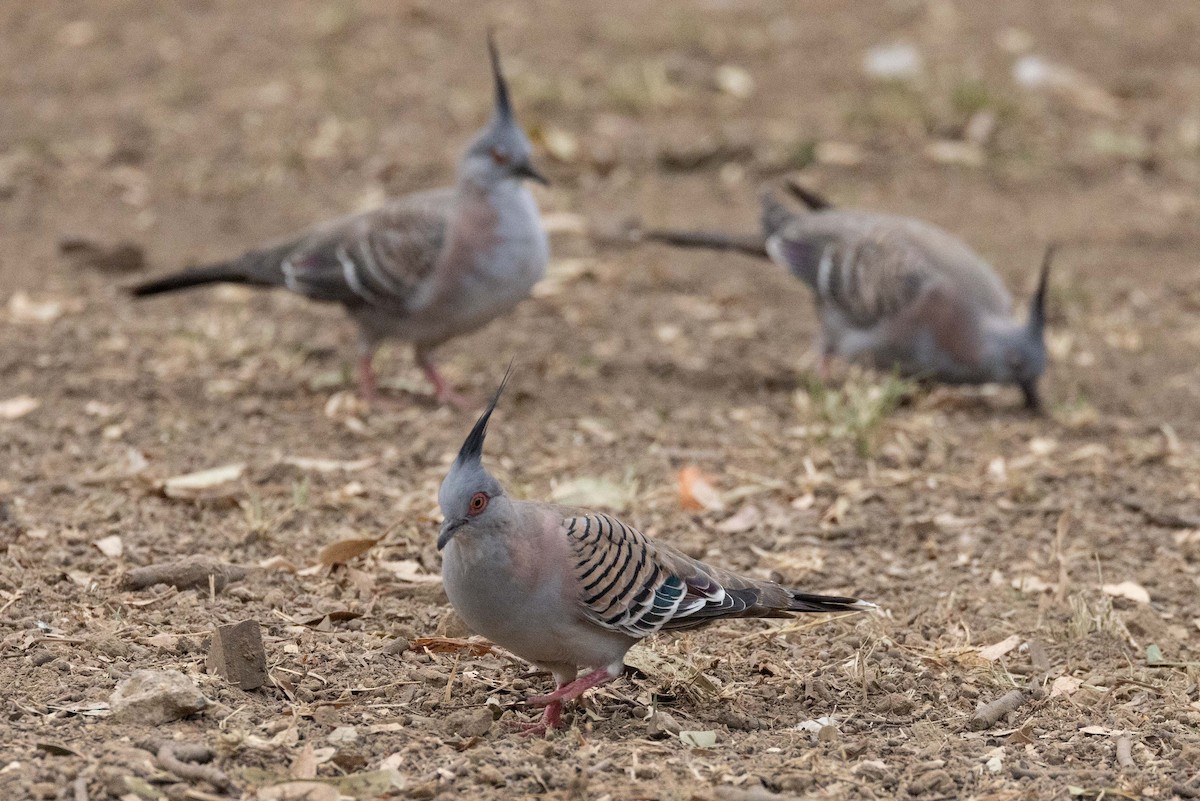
192,130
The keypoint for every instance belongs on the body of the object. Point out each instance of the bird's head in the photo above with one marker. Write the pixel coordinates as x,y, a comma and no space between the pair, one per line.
470,497
501,151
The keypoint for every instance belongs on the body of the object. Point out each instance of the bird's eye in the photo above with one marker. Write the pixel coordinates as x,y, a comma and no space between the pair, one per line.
499,156
479,502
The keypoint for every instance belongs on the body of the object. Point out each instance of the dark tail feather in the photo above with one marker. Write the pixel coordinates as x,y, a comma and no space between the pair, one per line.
805,602
710,240
259,268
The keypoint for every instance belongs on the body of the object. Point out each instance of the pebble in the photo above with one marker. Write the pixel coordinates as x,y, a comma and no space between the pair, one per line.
153,697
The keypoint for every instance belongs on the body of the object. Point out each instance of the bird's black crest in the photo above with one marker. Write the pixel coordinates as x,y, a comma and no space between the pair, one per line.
812,200
503,106
472,447
1037,305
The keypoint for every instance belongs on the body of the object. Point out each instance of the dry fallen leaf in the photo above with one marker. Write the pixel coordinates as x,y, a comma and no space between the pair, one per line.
453,645
1065,686
204,484
696,491
1031,584
304,766
595,493
670,670
24,309
278,563
343,551
410,570
19,406
993,652
1128,589
743,520
327,465
110,546
698,739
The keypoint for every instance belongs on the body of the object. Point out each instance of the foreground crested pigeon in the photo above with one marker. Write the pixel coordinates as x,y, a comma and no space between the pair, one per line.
566,589
425,267
898,293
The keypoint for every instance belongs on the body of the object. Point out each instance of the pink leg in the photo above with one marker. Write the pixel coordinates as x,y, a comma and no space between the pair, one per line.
571,691
825,368
368,388
441,387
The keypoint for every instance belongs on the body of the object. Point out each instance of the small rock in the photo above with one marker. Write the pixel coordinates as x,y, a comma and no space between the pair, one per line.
469,722
343,734
490,774
837,154
897,704
932,782
663,724
737,721
960,154
894,62
734,81
151,697
397,646
41,657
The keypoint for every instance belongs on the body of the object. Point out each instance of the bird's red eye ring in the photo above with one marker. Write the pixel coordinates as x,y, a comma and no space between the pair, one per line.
479,502
499,156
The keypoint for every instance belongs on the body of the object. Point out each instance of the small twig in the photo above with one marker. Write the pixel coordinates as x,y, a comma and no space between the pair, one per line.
1157,518
181,759
1125,751
752,245
989,714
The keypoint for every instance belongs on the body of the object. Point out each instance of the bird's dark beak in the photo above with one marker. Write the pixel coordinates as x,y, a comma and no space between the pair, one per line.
447,532
527,170
1033,401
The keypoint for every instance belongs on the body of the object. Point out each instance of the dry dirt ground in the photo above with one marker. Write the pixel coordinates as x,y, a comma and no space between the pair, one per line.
1061,553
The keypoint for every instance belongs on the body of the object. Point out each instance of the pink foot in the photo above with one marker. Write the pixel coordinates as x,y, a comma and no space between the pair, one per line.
551,720
368,387
441,387
571,691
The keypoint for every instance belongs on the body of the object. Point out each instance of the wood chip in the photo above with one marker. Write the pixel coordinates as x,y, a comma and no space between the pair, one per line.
236,654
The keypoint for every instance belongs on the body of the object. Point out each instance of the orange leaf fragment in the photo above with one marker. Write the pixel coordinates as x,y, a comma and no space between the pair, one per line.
343,551
696,491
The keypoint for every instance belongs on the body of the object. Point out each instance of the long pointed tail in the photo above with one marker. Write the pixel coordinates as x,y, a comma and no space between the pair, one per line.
709,240
196,276
806,602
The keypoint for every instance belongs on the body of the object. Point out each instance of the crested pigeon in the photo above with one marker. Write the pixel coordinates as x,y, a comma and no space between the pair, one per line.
425,267
568,589
898,293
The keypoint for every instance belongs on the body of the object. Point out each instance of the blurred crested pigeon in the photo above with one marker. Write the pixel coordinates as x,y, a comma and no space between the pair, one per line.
567,589
425,267
898,293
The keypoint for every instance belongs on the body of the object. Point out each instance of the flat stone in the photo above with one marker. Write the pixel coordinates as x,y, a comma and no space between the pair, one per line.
152,697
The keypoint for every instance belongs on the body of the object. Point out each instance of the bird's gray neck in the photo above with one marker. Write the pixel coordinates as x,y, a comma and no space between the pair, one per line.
501,218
